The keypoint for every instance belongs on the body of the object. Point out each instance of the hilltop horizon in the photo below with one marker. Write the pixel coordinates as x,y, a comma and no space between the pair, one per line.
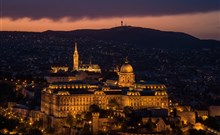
108,28
127,36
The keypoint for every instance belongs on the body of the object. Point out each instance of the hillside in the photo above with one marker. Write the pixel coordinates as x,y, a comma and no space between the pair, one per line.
140,37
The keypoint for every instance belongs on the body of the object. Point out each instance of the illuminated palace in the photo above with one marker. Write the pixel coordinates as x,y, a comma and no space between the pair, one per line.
75,97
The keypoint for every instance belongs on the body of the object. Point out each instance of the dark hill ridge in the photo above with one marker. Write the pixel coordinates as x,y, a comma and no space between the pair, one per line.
142,37
137,36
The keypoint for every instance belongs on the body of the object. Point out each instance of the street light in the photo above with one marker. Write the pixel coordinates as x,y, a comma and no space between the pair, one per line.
90,127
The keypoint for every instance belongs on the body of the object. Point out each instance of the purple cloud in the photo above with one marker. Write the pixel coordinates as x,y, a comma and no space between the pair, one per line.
76,9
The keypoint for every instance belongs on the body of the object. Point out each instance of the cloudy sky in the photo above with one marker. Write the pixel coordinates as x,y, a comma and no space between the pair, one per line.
200,18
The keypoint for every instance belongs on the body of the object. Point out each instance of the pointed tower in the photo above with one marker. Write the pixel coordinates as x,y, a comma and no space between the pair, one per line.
76,59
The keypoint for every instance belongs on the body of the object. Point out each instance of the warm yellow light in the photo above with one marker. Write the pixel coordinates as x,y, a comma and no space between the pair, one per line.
204,117
199,126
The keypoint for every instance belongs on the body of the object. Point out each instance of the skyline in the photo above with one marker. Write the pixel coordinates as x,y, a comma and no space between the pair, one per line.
82,67
198,19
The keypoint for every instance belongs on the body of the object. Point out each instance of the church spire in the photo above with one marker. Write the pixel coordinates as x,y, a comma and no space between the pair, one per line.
75,58
75,50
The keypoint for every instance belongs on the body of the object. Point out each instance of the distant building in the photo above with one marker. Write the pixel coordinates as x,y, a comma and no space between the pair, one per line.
161,124
90,68
202,113
187,117
83,67
55,69
60,77
214,111
76,65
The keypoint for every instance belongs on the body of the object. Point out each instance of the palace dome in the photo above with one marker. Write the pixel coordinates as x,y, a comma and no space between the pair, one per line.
126,68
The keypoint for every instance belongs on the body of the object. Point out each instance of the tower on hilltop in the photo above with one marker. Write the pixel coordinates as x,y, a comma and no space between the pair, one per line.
76,59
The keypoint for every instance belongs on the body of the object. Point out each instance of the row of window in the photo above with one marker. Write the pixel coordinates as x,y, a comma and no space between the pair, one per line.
75,100
155,87
77,108
147,104
160,93
69,86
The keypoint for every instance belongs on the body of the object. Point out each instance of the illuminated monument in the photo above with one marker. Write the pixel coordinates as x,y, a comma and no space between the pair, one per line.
76,65
84,67
75,97
61,98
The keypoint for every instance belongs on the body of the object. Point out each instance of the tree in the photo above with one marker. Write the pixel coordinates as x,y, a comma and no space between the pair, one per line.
37,124
9,124
49,131
150,125
94,108
196,132
7,93
69,120
211,122
88,116
113,104
35,132
177,131
128,110
174,112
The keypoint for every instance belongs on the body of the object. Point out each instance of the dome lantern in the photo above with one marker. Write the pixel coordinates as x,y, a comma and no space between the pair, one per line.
126,67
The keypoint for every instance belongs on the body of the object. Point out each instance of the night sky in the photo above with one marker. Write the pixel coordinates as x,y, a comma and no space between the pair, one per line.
200,18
